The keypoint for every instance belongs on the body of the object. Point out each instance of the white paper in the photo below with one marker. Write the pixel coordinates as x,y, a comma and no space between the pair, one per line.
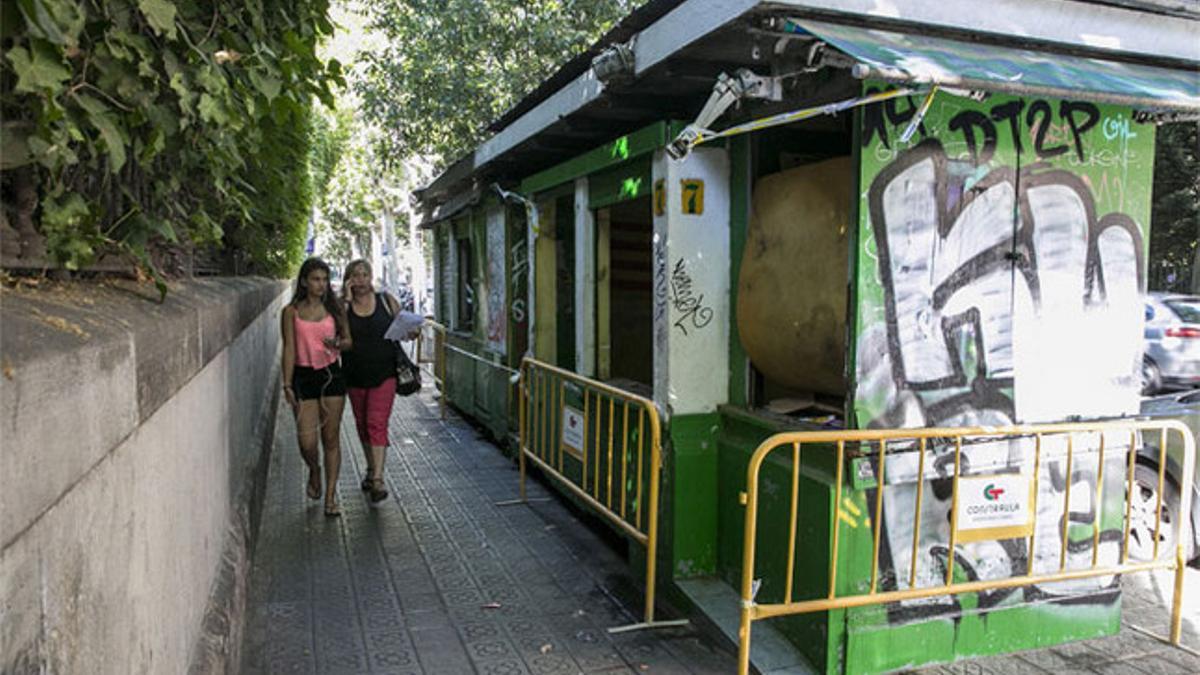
405,326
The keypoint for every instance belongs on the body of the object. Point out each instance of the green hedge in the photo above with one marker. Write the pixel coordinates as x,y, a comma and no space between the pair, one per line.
145,124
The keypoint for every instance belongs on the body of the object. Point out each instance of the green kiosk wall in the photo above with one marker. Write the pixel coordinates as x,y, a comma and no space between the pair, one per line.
975,238
477,378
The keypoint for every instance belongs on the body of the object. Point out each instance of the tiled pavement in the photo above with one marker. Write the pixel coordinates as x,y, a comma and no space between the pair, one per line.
437,579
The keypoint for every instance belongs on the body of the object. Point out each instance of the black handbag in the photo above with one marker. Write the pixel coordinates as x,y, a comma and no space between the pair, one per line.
408,374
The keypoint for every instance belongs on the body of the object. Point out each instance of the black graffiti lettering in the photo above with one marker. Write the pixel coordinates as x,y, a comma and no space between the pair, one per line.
1040,130
979,129
684,300
940,339
967,122
1011,111
1067,111
873,122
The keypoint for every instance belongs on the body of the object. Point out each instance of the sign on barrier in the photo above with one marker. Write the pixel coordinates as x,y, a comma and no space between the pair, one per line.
994,507
572,431
616,443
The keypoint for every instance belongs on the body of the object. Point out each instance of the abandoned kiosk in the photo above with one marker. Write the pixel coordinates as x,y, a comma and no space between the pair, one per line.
827,228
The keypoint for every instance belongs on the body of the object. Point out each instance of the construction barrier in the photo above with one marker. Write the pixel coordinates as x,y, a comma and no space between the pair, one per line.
603,445
1066,442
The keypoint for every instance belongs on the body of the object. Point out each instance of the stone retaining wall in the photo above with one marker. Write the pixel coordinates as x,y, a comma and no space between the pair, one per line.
133,444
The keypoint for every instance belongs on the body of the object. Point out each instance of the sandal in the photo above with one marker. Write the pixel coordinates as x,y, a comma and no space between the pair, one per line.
332,510
313,491
377,492
366,484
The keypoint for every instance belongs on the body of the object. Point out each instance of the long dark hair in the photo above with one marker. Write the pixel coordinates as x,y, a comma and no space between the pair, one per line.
329,300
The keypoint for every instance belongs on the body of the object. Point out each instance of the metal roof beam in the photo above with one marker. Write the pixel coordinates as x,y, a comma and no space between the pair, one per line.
1067,22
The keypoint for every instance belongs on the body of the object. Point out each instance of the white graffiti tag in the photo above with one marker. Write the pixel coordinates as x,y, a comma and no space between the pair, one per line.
1007,298
981,278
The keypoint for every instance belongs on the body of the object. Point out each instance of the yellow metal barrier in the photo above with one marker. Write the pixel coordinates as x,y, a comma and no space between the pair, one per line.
575,447
434,334
874,443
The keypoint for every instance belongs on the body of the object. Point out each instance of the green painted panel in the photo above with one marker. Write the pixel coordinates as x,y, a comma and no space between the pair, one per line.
564,242
478,228
476,388
626,181
640,142
883,648
460,375
818,636
976,237
1054,193
881,638
690,495
852,249
739,217
617,447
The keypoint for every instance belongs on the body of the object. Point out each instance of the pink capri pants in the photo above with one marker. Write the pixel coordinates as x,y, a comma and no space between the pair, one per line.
372,408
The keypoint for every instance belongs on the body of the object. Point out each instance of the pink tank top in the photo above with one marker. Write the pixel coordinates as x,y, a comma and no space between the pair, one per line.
311,351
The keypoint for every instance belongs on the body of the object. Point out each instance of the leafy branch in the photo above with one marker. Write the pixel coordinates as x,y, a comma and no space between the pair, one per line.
122,134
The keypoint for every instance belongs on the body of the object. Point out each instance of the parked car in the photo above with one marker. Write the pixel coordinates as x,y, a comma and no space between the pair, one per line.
1172,342
1185,407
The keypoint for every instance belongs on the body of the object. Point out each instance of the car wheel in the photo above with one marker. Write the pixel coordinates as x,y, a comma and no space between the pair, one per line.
1151,378
1142,517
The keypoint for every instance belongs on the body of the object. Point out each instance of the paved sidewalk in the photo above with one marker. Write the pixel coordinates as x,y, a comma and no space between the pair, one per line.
437,579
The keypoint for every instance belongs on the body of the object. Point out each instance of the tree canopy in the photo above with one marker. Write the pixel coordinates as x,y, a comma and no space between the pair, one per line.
1175,210
449,67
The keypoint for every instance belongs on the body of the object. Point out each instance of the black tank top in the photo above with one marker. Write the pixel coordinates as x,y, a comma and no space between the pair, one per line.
372,360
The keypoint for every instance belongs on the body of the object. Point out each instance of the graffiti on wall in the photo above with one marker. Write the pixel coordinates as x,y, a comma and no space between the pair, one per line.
497,315
686,301
961,282
1001,261
519,266
662,281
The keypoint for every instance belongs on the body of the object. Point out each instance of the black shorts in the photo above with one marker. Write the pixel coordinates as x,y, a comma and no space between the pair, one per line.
312,383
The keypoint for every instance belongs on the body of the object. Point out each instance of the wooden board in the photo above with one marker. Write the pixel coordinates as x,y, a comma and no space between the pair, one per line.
791,308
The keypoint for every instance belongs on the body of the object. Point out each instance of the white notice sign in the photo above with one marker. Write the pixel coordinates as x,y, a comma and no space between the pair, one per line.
993,507
572,429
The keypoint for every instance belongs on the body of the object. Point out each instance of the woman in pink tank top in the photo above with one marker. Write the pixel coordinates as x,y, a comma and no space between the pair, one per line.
315,331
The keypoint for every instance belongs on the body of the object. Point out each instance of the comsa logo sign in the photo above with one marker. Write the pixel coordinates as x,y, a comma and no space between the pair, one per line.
993,507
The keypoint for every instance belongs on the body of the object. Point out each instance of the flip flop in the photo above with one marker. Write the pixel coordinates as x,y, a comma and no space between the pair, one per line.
332,511
313,491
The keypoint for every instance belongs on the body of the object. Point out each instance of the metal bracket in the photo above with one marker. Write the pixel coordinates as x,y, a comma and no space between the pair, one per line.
615,64
728,90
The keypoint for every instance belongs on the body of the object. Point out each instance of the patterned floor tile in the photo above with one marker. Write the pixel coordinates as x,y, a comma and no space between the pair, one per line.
436,579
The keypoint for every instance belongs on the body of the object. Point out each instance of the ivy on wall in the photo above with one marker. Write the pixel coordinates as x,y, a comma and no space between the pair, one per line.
144,126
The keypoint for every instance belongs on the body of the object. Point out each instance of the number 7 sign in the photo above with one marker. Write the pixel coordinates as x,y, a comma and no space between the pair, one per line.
691,191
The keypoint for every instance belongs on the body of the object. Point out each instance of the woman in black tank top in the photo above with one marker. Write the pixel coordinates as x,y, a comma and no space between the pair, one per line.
370,370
